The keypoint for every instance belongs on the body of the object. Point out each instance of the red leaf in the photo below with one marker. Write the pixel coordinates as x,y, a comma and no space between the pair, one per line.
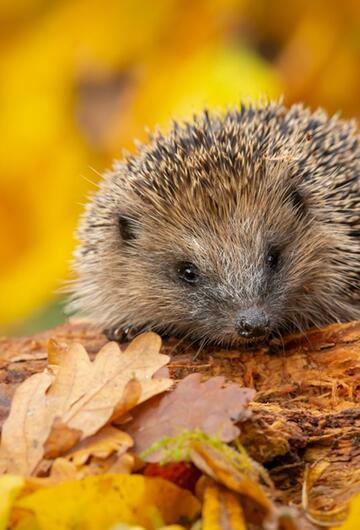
182,474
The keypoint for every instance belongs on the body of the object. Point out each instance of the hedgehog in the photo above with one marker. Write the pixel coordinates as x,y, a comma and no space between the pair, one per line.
231,228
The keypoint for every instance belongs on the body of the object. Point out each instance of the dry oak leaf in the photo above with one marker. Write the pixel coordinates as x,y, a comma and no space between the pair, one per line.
60,440
103,452
26,428
102,501
107,441
63,469
80,395
211,406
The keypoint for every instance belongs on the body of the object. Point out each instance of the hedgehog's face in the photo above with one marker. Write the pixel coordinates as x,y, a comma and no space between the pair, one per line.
221,230
221,277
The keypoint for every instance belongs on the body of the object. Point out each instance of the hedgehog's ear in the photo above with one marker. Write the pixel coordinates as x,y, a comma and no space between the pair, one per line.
127,227
297,200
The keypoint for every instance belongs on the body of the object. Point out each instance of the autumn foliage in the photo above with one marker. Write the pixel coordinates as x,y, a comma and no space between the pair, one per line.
80,80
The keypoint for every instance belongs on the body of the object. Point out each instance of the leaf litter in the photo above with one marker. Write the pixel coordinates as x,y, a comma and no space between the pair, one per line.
76,398
70,448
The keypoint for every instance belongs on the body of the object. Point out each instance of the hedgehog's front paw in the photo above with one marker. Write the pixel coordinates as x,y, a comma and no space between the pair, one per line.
121,334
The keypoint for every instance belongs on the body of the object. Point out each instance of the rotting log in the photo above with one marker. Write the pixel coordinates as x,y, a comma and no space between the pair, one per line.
306,410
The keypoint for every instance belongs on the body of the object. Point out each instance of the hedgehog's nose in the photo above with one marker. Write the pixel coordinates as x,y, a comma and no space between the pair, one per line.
252,323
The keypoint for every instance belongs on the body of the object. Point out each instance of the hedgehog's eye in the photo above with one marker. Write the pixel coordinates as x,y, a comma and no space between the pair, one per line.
272,258
127,228
187,272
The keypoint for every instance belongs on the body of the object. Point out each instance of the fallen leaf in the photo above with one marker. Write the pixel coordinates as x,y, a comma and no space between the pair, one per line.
77,397
101,445
238,473
130,398
221,509
62,469
10,487
102,501
122,464
26,428
320,517
353,519
63,438
182,474
108,376
91,457
60,440
213,407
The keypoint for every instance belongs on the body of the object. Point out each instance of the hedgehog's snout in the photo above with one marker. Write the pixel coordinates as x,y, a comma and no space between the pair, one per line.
252,323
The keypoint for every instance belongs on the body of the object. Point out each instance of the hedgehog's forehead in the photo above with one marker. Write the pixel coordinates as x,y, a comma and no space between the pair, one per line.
201,220
216,174
217,192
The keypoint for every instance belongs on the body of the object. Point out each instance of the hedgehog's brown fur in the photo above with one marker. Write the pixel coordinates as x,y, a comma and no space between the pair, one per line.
222,192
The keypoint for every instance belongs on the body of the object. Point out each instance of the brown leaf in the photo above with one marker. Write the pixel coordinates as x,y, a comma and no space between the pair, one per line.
83,396
212,406
122,464
108,376
104,452
26,428
61,470
130,398
101,445
61,439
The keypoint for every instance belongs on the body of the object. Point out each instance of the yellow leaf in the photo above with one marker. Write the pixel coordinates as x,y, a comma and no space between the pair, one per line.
56,352
353,520
10,486
99,502
320,517
221,509
234,470
122,526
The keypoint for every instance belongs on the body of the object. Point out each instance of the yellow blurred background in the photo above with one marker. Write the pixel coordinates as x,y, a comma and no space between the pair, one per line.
80,79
